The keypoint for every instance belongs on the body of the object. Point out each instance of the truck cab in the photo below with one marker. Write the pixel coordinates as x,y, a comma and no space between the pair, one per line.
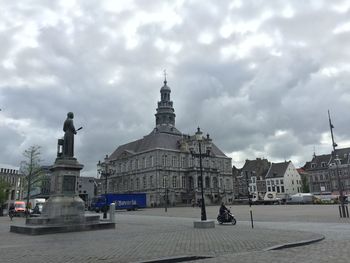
20,208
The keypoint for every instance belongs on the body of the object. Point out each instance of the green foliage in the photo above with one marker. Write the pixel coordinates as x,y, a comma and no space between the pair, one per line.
3,187
305,184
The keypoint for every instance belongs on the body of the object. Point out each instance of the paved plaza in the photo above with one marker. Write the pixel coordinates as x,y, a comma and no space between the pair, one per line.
153,234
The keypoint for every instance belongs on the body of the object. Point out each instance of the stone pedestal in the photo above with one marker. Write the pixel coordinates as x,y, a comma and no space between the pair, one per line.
64,211
64,205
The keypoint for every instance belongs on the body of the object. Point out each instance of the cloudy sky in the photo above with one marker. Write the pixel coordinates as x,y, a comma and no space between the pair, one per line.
259,76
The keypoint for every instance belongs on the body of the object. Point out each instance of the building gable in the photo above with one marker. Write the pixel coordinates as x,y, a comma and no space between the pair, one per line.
277,170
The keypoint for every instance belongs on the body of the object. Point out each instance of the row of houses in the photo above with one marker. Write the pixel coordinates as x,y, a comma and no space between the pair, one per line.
328,173
259,176
325,174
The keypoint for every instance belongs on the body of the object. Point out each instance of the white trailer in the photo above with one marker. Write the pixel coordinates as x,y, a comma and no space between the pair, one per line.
270,198
301,198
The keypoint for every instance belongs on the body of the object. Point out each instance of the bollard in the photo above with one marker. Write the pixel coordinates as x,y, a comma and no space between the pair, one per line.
343,211
347,211
112,212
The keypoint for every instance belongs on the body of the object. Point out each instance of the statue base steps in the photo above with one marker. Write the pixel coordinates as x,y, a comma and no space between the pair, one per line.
62,214
52,229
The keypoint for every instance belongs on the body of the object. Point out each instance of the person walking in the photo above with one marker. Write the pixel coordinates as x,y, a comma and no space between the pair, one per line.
11,211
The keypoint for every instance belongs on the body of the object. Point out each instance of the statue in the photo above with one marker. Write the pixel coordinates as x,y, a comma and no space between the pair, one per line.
69,132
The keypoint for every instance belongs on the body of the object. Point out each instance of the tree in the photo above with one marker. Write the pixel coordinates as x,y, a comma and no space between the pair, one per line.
304,184
4,186
32,170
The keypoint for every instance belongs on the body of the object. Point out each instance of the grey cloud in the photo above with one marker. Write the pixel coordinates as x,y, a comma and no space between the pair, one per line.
113,90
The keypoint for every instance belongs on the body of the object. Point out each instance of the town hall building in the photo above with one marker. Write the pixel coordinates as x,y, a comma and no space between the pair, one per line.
163,166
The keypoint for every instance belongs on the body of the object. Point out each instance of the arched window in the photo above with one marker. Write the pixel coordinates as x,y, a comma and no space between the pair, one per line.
190,183
151,181
164,160
199,182
137,184
207,162
174,181
144,182
131,184
215,182
183,182
165,181
207,182
228,184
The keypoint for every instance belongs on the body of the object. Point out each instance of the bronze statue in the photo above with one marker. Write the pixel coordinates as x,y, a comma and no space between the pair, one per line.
69,132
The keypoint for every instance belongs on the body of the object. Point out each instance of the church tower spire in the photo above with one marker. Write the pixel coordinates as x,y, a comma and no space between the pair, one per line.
165,112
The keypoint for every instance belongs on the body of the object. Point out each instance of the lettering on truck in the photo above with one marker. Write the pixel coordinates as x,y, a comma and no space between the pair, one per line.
125,203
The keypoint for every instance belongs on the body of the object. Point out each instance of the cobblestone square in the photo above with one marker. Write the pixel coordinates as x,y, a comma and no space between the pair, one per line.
152,234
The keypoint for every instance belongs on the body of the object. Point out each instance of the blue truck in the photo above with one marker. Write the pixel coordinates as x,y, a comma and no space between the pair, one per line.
122,201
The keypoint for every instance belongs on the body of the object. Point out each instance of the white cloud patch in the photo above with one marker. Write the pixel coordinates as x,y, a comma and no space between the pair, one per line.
342,28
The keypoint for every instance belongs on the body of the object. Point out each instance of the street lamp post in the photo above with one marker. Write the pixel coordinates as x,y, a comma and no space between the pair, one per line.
250,202
103,169
28,193
199,139
225,193
166,198
343,210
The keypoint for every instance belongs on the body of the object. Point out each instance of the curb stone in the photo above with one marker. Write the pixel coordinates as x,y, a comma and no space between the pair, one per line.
295,244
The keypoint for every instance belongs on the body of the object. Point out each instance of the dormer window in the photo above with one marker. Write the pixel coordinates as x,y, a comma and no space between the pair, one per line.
313,165
323,164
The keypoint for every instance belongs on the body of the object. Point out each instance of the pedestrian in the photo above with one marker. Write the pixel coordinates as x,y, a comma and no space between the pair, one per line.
12,211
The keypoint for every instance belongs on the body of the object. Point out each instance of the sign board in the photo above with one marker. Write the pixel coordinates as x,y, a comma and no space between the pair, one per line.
323,188
69,184
269,195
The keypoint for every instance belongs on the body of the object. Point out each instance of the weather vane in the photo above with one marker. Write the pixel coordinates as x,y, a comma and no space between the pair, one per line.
165,75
